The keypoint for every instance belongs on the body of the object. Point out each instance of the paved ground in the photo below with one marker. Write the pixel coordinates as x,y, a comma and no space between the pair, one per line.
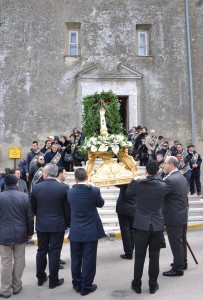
114,275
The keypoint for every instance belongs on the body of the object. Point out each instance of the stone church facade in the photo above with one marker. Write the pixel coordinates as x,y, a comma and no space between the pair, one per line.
53,53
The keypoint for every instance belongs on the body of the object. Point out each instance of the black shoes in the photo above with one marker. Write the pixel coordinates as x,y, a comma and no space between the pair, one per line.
42,281
93,288
61,267
152,290
136,289
77,288
126,256
62,262
199,194
4,296
173,273
163,244
16,293
58,283
184,266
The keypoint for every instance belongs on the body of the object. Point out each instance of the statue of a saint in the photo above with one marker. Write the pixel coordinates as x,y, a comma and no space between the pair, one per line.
103,128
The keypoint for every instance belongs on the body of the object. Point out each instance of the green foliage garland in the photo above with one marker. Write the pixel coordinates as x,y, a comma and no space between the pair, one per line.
91,116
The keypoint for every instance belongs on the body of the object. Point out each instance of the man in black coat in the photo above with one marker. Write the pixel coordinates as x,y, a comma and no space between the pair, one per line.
148,223
85,231
125,209
175,211
50,206
16,227
195,161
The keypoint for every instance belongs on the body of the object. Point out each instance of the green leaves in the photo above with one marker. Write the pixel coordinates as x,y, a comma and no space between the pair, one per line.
91,115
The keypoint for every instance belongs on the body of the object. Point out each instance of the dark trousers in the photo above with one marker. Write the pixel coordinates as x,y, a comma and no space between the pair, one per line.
127,233
83,264
195,180
49,243
176,236
143,239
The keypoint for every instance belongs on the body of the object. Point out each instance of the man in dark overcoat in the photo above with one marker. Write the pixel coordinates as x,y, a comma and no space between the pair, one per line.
16,227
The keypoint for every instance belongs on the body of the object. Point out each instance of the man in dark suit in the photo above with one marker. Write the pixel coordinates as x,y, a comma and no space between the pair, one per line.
85,230
50,206
148,223
126,212
195,161
175,211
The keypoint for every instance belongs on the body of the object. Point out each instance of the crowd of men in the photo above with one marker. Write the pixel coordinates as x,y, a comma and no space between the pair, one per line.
144,206
60,151
64,153
150,145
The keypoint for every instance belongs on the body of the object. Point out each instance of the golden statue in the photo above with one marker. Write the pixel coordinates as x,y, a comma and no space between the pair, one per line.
110,172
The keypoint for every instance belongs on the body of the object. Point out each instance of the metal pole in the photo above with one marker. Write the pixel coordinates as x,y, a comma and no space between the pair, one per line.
190,70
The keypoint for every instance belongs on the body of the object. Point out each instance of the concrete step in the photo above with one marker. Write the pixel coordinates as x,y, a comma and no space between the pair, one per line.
195,211
195,218
107,213
108,229
109,205
193,204
112,221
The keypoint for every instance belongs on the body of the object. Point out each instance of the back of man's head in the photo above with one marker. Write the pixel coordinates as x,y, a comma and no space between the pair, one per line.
51,170
81,175
152,167
10,179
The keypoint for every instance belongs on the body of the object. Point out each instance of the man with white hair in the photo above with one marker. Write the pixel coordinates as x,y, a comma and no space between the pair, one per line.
151,142
49,204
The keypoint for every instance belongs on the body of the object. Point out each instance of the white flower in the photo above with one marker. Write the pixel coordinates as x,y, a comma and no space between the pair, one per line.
103,148
93,148
115,148
120,138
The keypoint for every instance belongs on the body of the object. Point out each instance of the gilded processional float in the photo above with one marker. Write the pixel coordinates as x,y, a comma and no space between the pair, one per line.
117,167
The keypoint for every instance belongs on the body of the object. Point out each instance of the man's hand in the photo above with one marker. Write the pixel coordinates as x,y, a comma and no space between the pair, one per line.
29,237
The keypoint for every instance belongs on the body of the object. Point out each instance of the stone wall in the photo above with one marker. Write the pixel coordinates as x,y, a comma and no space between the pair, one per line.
40,93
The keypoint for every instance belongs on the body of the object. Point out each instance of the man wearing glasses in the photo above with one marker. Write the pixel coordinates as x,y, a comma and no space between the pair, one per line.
175,214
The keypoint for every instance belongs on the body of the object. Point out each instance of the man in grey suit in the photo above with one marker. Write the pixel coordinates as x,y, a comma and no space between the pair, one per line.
148,223
21,185
175,211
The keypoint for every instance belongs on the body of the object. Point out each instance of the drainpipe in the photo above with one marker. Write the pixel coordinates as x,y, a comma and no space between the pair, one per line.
190,70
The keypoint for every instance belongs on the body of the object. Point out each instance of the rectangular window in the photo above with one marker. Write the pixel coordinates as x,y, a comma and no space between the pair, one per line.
73,43
143,39
143,44
72,39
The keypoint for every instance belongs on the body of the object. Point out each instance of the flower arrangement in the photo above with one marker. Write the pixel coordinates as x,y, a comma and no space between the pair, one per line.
112,143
